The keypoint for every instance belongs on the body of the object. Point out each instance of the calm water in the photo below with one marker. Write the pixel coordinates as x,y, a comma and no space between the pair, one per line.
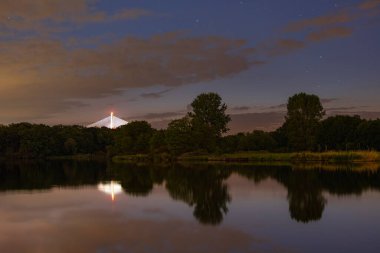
94,207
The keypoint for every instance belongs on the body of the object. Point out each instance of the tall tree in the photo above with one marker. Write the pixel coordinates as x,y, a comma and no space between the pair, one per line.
302,120
209,119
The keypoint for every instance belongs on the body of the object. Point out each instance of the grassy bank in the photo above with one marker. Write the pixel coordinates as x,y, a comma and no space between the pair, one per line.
159,158
79,157
131,158
333,156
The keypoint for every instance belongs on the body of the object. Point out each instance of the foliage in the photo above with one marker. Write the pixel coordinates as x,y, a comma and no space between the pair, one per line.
157,142
302,120
179,136
38,141
369,135
339,133
133,138
280,137
208,119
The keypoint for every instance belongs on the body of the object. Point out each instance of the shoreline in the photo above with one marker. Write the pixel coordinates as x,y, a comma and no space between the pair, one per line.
240,157
296,157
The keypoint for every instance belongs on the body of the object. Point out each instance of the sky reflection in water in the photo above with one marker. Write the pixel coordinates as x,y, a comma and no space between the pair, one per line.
57,207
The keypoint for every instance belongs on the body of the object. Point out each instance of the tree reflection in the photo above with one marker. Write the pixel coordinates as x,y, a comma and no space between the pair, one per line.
203,188
134,180
305,186
306,202
45,175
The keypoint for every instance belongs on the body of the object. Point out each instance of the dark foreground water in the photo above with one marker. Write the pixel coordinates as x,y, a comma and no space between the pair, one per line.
92,207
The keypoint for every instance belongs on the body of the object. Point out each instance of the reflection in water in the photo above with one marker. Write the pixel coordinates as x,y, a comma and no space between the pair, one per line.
135,180
204,187
112,188
306,202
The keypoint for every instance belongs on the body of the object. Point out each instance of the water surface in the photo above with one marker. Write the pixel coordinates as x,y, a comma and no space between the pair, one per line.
95,207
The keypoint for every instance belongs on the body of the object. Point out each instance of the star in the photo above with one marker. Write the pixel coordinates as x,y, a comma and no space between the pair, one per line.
197,21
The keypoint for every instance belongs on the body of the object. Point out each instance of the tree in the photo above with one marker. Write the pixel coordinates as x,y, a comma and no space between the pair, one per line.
157,142
70,146
339,132
179,136
369,134
303,117
255,141
229,143
209,119
281,138
133,138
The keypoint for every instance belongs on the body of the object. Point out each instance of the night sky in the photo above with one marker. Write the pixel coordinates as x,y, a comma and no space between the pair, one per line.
74,61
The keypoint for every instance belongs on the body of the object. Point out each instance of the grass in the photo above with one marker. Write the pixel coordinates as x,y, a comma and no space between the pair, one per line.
130,158
331,156
351,166
155,158
78,157
295,157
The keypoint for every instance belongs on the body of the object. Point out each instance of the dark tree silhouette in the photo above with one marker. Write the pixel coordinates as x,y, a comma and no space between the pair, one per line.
202,188
302,120
209,120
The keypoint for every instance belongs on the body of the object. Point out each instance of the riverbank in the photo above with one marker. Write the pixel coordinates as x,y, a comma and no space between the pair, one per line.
295,157
331,156
80,157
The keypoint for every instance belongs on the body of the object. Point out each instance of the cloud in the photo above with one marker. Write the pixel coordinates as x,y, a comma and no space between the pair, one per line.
48,15
240,108
283,46
130,14
329,26
335,20
369,5
283,105
328,100
45,71
280,106
329,33
341,17
354,111
159,116
341,108
155,94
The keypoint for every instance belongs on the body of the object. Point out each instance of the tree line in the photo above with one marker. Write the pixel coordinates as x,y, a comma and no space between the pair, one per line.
203,130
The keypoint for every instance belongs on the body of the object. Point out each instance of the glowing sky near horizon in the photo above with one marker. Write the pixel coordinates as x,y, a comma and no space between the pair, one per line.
75,61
